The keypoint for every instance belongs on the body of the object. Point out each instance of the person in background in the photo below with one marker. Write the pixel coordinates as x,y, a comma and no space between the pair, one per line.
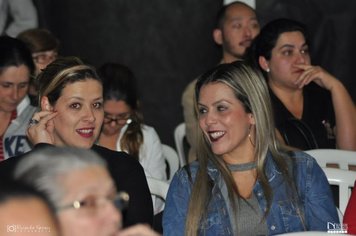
44,47
350,213
16,67
236,27
80,187
25,211
123,128
312,108
244,182
17,16
71,115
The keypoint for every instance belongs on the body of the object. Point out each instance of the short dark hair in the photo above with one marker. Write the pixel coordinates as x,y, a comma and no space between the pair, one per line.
14,52
220,17
267,38
39,40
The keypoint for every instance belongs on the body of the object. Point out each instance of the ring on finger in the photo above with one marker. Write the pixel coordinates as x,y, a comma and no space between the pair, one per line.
33,122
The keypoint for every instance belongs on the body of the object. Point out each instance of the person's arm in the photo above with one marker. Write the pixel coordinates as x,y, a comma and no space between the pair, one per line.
344,108
176,208
190,118
319,204
153,160
24,15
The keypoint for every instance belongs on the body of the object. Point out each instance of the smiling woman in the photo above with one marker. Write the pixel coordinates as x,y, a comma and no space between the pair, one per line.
244,182
71,114
16,66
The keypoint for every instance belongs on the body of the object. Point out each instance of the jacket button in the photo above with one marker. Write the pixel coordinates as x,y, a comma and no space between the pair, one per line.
273,227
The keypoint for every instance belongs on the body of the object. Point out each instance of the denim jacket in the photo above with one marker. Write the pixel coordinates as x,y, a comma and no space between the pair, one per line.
315,196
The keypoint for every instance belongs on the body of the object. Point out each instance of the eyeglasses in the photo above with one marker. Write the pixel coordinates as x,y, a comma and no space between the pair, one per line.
44,57
120,200
121,119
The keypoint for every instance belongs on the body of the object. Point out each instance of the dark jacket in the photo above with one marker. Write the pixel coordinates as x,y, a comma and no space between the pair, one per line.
128,175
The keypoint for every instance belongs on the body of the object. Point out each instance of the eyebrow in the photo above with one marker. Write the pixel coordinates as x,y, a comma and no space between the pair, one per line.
291,46
82,99
217,102
239,18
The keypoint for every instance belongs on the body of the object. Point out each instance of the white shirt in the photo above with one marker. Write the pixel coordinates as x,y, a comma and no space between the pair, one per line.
151,158
23,14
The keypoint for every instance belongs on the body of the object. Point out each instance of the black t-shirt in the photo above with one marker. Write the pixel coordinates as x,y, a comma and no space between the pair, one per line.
128,175
315,129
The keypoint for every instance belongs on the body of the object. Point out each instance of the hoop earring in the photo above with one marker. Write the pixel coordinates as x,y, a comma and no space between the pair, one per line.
250,138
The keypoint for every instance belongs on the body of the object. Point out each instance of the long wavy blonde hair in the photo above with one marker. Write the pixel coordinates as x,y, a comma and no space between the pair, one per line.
251,89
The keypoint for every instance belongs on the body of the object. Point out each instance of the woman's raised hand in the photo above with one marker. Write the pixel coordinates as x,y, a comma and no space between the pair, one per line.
40,129
317,75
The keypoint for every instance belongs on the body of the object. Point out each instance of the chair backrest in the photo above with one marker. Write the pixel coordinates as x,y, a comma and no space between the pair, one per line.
345,179
179,134
172,159
343,158
158,187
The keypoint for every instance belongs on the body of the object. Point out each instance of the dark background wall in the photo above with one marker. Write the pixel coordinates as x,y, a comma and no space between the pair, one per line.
167,43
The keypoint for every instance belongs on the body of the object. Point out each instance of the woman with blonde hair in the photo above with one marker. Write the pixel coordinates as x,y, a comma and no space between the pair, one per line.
71,115
244,182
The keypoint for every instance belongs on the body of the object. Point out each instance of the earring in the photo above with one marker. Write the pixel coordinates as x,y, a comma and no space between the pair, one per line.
249,136
268,70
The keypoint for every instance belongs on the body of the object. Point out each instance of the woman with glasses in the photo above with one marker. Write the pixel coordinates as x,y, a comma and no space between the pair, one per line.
123,128
79,186
71,115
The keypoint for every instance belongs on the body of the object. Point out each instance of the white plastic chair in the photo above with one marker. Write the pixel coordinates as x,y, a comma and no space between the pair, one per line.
345,179
158,187
172,159
179,134
343,158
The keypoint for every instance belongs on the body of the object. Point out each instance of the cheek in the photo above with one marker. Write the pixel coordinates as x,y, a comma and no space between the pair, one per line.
75,225
99,116
64,120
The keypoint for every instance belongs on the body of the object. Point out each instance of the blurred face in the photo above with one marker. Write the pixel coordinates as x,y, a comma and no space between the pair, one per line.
223,120
26,212
290,50
116,115
14,82
42,59
97,215
80,114
239,29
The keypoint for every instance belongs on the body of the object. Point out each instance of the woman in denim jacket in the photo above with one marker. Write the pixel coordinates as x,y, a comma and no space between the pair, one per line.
244,182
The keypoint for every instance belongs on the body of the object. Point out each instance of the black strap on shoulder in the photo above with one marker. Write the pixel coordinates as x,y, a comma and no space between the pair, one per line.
303,129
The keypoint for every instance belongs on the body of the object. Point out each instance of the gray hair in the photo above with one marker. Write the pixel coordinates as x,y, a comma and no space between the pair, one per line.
42,168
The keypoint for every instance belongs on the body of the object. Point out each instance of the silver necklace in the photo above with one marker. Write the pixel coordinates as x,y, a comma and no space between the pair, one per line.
242,167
